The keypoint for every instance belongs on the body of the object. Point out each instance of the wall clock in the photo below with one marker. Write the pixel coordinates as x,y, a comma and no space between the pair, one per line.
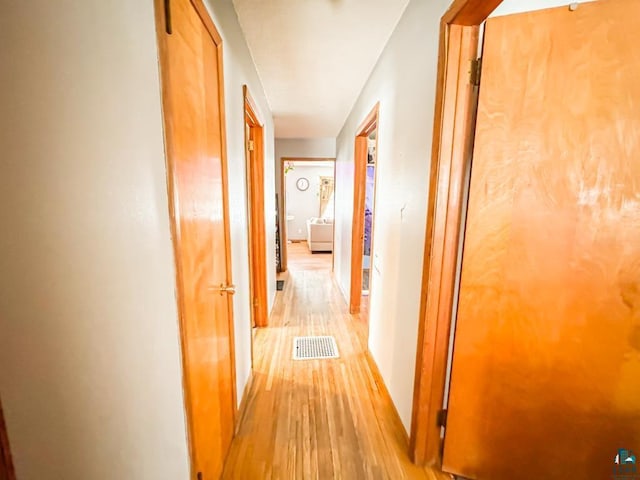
302,184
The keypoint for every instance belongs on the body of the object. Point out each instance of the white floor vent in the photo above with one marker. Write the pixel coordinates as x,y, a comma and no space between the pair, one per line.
307,348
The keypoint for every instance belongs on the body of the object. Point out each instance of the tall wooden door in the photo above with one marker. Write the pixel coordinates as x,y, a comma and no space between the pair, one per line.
546,363
192,85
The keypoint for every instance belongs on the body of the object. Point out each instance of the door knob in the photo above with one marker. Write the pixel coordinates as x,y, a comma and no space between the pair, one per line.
222,288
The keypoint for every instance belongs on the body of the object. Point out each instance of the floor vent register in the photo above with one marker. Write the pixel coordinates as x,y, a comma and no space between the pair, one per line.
308,348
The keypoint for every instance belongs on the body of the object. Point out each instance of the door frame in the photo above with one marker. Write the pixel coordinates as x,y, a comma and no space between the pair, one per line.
163,22
283,215
452,143
368,125
255,211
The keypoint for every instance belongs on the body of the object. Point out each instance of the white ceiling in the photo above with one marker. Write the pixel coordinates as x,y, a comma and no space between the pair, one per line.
314,56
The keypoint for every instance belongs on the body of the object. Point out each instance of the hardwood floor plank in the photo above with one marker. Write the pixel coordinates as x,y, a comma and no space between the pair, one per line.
317,419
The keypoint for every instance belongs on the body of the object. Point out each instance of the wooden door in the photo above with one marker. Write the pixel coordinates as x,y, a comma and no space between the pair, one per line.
368,125
192,85
546,364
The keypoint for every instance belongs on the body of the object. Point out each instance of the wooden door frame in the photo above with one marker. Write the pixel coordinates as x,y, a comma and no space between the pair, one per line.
255,212
368,125
283,188
161,18
451,149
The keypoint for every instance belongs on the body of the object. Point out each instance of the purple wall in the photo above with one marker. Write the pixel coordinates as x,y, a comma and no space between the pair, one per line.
368,209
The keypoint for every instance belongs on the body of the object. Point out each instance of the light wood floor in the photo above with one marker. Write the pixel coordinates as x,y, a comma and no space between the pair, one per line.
299,257
316,419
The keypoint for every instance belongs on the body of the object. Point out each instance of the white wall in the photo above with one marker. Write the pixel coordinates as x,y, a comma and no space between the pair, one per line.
304,204
508,7
90,372
239,70
403,82
301,148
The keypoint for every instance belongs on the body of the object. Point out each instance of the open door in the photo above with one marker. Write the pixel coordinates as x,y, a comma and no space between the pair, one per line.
362,259
546,363
193,100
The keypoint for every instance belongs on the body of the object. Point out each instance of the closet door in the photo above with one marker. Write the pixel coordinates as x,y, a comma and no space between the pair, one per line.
546,365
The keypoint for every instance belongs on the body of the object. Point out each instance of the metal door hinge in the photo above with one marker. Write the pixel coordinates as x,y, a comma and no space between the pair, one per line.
475,71
252,146
442,418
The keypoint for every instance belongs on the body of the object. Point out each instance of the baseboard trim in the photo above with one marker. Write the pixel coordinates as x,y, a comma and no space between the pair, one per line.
377,377
337,283
242,408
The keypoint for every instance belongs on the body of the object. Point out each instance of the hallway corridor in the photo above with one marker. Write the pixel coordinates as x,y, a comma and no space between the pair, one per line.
316,418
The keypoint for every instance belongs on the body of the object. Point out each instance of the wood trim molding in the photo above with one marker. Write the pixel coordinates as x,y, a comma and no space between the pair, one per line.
370,122
469,12
368,125
382,387
206,19
452,142
255,212
251,107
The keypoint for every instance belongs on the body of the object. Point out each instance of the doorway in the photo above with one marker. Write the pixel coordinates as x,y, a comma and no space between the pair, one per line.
308,186
362,237
193,107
